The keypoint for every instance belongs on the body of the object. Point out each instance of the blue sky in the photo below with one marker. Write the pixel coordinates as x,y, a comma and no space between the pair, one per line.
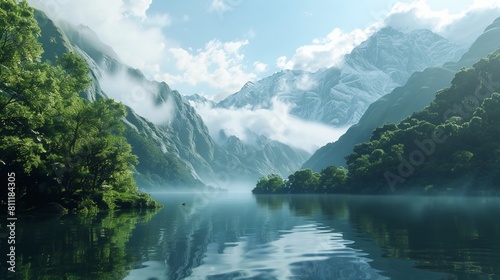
274,28
212,47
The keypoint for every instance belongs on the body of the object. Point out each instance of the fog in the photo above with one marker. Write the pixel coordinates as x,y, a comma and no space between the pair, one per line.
138,95
275,123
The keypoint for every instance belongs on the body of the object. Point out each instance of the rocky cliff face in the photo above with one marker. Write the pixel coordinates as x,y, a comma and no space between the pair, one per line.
340,95
417,93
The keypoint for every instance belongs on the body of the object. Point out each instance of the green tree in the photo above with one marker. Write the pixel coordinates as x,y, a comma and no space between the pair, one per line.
273,183
304,181
333,180
90,150
18,49
18,36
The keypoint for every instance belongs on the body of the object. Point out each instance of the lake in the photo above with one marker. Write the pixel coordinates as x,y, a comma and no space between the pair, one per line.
242,236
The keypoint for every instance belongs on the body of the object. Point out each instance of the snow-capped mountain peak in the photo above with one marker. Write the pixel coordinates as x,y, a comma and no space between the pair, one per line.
339,96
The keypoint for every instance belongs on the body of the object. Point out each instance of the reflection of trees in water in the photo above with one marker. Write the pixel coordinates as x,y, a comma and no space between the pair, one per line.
439,234
272,202
78,247
331,206
332,255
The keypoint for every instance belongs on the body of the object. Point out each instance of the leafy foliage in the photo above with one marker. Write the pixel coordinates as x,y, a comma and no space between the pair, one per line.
330,180
303,181
59,145
273,183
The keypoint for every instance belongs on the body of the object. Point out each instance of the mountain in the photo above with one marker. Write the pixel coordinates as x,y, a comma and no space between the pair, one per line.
340,95
417,93
171,140
263,157
197,99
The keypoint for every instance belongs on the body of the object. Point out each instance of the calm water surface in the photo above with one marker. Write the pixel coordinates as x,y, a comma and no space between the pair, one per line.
241,236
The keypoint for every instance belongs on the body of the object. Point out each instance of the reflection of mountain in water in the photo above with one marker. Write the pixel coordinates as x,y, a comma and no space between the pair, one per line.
298,251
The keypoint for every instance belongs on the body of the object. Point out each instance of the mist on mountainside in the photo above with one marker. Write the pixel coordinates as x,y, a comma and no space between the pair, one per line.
275,123
142,97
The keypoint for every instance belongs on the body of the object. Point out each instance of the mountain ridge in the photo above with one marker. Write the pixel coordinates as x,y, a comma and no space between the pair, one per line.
338,96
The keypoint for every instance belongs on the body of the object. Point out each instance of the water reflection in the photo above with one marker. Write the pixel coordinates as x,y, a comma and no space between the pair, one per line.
240,236
297,252
460,236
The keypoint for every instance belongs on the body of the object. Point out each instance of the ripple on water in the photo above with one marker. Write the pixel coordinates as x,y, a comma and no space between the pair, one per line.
303,251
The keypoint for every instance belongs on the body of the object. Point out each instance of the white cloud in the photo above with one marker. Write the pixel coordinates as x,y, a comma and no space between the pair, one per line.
138,96
219,65
325,52
463,26
138,8
415,15
275,123
304,82
259,67
123,24
219,6
283,63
